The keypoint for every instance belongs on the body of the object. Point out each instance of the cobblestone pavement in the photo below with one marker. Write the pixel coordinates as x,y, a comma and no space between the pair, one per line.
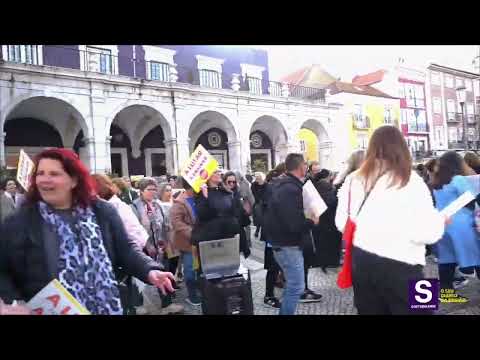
335,301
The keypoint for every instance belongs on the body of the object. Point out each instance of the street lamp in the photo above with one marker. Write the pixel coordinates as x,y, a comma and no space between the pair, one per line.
462,97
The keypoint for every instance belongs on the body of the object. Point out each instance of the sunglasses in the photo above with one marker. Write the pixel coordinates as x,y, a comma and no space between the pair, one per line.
231,182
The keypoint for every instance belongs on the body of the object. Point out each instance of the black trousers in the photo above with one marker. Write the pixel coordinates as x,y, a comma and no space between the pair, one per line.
380,285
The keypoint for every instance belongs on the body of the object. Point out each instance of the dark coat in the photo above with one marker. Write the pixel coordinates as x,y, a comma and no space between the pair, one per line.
29,251
326,237
219,217
258,192
128,196
285,219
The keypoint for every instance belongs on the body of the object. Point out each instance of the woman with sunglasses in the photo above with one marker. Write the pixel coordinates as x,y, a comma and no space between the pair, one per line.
218,210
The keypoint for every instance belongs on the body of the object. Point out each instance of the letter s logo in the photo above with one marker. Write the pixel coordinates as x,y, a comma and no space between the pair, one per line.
419,289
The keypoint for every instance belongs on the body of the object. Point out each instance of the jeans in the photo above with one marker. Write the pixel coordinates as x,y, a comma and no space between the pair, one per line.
290,259
190,276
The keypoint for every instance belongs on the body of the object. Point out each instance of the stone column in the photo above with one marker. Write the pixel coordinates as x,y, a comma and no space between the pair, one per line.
234,155
171,156
183,151
108,156
173,73
89,154
235,82
3,160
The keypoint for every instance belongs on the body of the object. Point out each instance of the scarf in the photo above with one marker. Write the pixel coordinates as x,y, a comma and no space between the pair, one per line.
84,267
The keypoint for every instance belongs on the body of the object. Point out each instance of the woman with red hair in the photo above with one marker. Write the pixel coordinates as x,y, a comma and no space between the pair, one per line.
67,233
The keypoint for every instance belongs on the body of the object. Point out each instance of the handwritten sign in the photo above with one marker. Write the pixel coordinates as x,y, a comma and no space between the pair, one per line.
24,170
199,168
54,299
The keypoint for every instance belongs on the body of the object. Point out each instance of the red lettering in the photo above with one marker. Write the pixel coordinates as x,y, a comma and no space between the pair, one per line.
38,311
65,311
55,299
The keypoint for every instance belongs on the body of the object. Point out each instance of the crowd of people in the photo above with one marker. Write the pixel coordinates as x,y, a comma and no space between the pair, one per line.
124,248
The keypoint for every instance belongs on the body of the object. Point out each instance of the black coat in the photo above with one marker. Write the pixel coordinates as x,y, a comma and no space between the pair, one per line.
220,216
327,239
29,251
285,220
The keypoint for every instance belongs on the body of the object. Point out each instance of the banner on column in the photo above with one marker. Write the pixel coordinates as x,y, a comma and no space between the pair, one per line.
24,170
199,167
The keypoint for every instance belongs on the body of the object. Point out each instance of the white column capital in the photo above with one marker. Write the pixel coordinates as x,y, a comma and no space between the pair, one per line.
108,139
2,136
234,143
89,140
170,142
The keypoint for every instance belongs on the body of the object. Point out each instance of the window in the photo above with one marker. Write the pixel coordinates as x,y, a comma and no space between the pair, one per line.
158,62
476,87
460,134
359,119
159,71
99,60
458,82
388,116
421,120
470,113
471,134
435,78
437,106
253,76
452,134
448,81
419,96
412,121
27,54
362,141
401,91
450,110
404,116
210,71
210,78
410,94
468,85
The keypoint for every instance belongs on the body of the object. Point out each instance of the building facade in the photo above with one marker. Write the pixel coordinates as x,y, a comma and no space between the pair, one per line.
141,110
366,109
444,109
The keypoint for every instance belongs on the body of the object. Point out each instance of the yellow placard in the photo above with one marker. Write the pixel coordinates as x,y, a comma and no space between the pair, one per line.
24,170
134,178
199,167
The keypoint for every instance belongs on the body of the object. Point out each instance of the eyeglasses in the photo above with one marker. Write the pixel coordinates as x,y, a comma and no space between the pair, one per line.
231,182
152,190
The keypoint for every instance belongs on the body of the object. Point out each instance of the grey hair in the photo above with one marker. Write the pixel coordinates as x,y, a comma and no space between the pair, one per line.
146,181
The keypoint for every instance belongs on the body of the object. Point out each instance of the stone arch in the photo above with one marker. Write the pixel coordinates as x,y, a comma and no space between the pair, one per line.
208,121
68,102
324,142
273,131
138,121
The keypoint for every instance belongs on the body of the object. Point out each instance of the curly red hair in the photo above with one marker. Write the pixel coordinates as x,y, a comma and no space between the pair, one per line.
83,194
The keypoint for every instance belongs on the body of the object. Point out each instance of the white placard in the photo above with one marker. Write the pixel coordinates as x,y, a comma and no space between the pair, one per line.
24,170
313,204
54,299
458,204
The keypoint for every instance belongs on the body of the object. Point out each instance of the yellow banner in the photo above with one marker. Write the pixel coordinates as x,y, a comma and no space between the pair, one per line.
199,168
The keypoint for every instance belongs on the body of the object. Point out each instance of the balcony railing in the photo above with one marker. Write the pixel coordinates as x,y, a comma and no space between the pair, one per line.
27,54
102,61
361,122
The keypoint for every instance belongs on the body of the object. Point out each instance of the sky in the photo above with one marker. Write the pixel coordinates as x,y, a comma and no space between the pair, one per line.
347,61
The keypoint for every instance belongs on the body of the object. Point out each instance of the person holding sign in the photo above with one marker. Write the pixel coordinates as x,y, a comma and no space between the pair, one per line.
386,210
67,233
460,244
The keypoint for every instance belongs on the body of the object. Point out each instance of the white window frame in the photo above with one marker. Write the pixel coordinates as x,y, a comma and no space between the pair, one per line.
113,50
23,58
263,151
435,75
148,158
476,87
254,73
453,130
437,110
124,155
160,55
448,80
212,64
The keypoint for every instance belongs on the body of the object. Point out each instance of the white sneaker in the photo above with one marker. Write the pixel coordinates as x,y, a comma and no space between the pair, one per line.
460,284
467,276
173,309
141,310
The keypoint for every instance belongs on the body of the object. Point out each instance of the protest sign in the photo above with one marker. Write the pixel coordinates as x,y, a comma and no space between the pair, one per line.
313,204
54,299
458,204
199,168
24,170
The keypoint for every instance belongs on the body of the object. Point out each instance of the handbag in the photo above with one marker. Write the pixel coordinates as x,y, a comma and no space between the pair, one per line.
344,279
